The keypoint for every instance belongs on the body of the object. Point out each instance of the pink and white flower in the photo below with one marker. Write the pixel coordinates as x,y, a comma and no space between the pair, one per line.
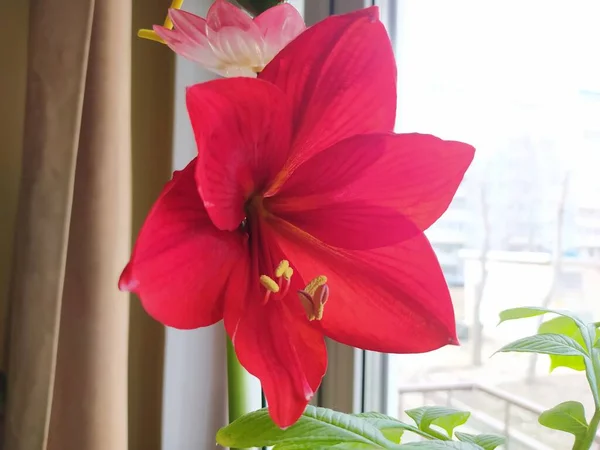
229,42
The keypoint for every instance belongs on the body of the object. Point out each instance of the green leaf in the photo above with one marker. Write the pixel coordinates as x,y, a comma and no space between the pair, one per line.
533,311
587,331
485,441
392,428
440,445
310,446
567,327
316,428
568,417
547,344
446,418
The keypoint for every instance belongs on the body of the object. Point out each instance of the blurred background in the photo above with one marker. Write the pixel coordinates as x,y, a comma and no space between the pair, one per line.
521,82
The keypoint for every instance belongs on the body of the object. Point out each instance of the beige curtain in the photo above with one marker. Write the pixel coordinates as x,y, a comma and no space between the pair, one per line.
82,372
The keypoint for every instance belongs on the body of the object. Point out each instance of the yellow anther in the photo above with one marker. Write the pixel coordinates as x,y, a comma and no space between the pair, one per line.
269,284
312,287
175,4
283,266
314,297
288,273
151,35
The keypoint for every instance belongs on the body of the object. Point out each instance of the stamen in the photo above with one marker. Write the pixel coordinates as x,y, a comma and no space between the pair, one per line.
269,284
322,295
286,289
266,297
175,4
151,35
288,273
283,266
314,297
281,284
312,287
307,304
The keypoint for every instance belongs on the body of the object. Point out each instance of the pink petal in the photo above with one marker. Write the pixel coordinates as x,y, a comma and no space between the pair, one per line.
181,262
392,299
236,47
224,14
340,76
242,129
415,175
279,25
190,25
195,49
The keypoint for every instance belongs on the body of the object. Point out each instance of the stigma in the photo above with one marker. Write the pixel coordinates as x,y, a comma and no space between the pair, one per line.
280,284
313,298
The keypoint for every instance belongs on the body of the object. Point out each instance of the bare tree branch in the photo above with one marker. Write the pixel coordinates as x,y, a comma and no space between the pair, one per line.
480,287
557,258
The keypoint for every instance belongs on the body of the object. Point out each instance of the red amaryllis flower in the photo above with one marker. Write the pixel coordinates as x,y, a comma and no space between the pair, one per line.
303,215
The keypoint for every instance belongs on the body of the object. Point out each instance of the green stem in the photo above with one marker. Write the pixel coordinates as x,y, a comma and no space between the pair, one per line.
236,385
593,371
587,442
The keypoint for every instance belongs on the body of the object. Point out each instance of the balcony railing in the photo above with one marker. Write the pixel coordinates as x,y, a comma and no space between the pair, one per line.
445,393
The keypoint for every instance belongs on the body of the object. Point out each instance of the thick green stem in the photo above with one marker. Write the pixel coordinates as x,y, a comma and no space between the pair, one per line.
236,385
588,441
593,372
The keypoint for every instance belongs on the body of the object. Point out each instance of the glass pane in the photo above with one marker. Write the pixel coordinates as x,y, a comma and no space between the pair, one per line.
521,82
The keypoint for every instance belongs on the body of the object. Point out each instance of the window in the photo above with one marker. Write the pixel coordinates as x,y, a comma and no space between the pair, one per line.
519,81
572,280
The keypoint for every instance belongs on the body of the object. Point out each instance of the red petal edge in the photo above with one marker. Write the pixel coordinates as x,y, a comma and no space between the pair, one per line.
181,262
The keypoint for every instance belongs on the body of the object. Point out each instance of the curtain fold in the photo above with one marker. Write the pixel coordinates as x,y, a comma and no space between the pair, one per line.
13,48
51,136
89,410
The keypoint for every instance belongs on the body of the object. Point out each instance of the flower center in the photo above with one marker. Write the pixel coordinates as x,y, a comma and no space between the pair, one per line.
283,274
313,297
277,283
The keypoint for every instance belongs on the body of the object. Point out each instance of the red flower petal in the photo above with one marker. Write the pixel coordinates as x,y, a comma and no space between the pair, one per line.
242,128
275,343
392,299
414,174
340,76
353,225
180,263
